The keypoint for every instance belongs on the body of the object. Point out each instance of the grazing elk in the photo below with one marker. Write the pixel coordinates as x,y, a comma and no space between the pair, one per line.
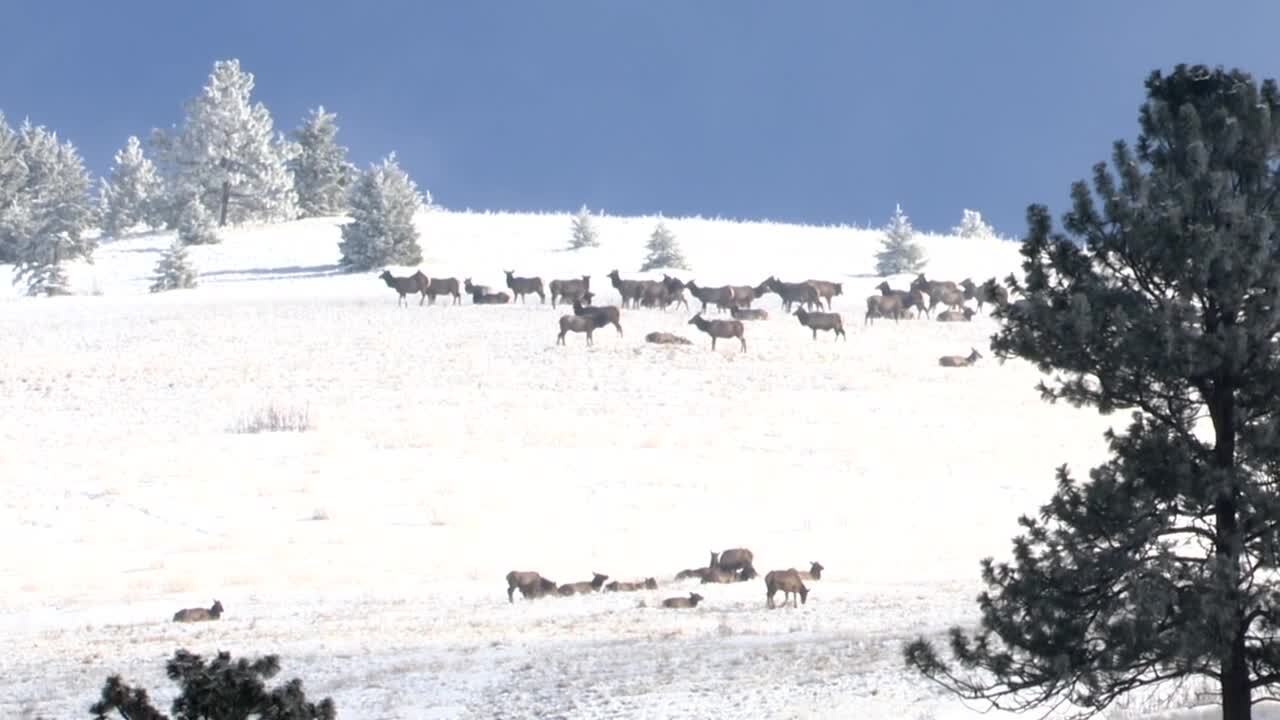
521,286
682,602
581,588
883,306
960,360
579,324
827,290
604,314
646,584
803,293
628,289
789,582
199,614
814,572
746,313
530,584
821,321
443,286
415,283
720,329
569,290
666,338
721,297
964,314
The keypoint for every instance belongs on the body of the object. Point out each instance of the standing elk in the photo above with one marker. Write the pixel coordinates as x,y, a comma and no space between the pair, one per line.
884,306
415,283
675,291
721,297
579,324
821,321
789,582
814,572
443,286
827,290
521,286
604,314
569,290
794,293
530,584
628,289
720,329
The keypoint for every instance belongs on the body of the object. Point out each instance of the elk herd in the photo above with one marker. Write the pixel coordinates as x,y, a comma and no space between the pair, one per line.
941,300
730,566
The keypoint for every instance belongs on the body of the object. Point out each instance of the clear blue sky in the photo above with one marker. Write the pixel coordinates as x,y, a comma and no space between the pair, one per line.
820,112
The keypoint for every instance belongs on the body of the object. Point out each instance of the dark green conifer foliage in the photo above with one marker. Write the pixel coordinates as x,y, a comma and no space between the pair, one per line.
1163,298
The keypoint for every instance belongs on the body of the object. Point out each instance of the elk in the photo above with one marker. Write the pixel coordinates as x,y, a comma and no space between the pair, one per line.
415,283
988,292
746,313
908,298
791,293
566,290
821,321
827,290
498,298
476,289
722,297
682,602
814,572
744,295
530,584
666,338
964,314
720,329
604,314
733,559
521,286
943,291
199,614
579,324
675,291
960,360
789,582
653,293
581,588
443,286
646,584
628,289
885,306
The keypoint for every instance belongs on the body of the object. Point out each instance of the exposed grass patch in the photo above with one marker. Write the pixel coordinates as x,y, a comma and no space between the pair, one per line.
274,418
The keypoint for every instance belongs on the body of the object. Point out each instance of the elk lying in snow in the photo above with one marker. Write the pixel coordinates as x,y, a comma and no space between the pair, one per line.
443,286
814,572
827,290
682,602
199,614
498,298
579,324
521,286
530,584
568,290
821,321
666,338
789,582
604,314
718,575
884,306
581,588
721,297
964,314
959,360
628,289
646,584
720,329
741,313
415,283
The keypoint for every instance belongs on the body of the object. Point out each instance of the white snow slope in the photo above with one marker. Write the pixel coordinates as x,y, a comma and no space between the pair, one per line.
451,444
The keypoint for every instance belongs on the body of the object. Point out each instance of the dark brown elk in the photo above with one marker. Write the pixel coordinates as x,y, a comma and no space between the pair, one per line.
497,298
569,290
827,290
789,582
733,559
675,291
653,294
579,324
814,572
960,360
964,314
821,321
628,289
646,584
721,297
443,286
746,313
415,283
666,338
604,314
581,588
883,306
720,329
802,294
199,614
530,584
988,292
683,602
476,289
744,295
939,291
521,286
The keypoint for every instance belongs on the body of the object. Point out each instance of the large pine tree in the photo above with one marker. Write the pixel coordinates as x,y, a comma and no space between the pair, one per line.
48,227
131,195
13,199
322,176
381,232
226,154
1162,297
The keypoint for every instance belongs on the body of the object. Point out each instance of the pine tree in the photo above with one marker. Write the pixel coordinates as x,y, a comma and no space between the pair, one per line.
899,252
584,231
226,154
133,193
174,271
14,200
195,225
384,201
1161,298
663,251
322,176
48,229
972,226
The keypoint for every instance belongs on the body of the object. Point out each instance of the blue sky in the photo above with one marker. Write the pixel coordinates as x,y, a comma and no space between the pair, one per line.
818,112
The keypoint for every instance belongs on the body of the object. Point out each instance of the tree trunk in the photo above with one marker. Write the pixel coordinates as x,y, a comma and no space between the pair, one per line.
1236,693
1237,704
226,200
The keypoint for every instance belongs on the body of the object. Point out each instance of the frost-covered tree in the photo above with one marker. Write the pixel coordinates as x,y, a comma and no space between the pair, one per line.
899,252
48,230
664,252
226,154
132,194
322,176
14,200
972,226
195,225
381,232
174,271
584,231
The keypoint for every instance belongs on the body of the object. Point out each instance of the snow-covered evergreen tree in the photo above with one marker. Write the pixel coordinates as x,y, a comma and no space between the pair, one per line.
227,154
322,176
132,194
899,253
584,231
195,225
13,200
664,252
381,232
49,230
972,226
174,271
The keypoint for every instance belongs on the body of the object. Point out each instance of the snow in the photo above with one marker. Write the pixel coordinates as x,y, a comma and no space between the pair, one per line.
450,445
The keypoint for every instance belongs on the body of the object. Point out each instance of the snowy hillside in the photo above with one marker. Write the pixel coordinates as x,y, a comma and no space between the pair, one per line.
449,445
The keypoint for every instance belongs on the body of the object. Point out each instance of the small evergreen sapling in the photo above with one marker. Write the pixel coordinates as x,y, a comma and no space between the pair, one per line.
174,271
972,226
664,252
899,252
195,226
584,231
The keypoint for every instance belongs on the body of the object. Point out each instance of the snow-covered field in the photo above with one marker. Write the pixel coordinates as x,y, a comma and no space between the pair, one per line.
449,445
